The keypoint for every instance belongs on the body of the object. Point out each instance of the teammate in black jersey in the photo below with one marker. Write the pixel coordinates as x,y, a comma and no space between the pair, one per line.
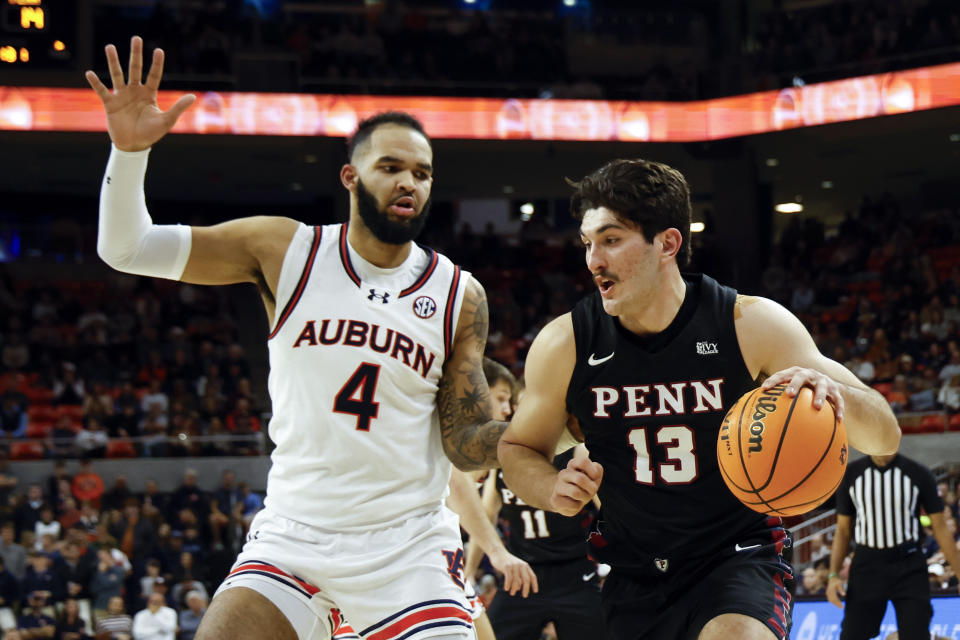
645,369
554,546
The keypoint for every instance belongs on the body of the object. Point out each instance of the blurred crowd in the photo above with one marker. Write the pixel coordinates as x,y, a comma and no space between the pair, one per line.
80,559
158,370
671,52
882,295
122,367
837,39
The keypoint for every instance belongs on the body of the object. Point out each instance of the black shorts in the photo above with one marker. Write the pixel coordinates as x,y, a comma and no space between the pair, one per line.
569,597
877,576
677,606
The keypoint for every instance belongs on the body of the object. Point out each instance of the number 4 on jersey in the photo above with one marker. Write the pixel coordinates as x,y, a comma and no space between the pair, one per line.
356,396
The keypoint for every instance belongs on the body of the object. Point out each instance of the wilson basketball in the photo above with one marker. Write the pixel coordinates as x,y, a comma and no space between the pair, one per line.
779,455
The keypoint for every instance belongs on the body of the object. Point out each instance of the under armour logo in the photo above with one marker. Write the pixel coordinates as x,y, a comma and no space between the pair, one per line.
382,297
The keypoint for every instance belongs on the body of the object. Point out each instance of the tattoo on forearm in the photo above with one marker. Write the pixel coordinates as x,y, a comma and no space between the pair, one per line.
469,435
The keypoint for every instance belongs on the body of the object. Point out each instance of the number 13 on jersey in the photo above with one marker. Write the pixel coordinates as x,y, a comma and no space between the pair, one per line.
681,464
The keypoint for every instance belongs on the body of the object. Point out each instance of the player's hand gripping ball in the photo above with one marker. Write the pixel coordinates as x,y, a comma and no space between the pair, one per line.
779,455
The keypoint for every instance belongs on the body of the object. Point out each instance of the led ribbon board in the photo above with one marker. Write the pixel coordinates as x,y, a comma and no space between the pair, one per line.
295,114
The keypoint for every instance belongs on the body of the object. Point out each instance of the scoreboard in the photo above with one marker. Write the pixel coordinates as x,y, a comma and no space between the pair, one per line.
37,33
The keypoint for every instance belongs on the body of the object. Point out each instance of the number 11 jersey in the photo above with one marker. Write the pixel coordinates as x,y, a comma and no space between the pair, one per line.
356,356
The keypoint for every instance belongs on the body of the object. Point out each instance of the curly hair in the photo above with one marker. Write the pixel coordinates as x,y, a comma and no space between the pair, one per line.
650,195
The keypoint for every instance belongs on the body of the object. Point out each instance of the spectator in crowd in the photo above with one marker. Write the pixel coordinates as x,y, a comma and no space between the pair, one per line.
67,387
98,403
149,579
74,569
9,589
33,622
60,444
117,495
156,622
135,534
14,556
187,577
13,418
107,582
91,441
810,582
46,524
71,626
41,578
28,512
156,504
87,484
54,481
252,503
191,616
155,397
222,504
15,355
190,496
114,621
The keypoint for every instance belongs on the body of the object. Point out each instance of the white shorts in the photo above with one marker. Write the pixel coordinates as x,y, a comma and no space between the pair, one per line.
403,582
473,600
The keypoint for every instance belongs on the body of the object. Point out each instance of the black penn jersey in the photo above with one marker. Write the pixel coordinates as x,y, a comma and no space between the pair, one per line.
650,409
539,536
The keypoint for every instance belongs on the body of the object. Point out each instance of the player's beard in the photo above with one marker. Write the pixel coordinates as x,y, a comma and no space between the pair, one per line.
381,226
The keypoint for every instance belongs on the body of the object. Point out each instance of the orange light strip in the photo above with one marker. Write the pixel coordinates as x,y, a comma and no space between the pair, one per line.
295,114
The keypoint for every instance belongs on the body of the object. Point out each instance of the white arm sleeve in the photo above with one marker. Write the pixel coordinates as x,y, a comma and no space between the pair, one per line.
127,239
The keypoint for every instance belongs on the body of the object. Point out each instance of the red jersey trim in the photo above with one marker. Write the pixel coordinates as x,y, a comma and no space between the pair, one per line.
449,322
302,284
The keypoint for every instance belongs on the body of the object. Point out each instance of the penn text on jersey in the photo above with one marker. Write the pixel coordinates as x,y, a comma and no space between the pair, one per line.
670,399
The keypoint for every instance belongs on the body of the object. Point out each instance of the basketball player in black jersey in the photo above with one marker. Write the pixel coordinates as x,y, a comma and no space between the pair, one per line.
554,547
644,370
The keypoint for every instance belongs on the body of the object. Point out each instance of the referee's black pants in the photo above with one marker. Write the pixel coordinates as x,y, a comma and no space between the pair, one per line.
879,575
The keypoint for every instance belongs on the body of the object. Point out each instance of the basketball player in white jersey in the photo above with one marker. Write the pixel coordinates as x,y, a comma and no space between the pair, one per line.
376,380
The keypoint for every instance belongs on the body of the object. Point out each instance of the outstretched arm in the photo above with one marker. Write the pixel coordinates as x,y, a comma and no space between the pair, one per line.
246,250
775,343
469,433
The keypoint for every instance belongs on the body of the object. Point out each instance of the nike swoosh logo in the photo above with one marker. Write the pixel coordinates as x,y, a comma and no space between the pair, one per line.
739,548
593,361
587,577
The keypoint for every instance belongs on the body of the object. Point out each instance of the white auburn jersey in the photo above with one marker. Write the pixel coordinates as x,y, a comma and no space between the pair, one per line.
356,355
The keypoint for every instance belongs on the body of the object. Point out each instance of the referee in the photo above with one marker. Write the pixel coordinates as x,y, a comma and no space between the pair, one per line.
878,505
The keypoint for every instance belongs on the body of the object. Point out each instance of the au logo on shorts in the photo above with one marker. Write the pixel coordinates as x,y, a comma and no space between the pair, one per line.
424,307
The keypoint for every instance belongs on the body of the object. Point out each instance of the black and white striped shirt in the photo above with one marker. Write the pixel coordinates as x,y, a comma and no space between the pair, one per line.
886,501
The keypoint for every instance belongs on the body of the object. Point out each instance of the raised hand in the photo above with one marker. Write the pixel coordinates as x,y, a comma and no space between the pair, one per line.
134,120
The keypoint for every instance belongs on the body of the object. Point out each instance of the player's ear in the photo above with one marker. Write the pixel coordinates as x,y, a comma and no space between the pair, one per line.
670,241
349,177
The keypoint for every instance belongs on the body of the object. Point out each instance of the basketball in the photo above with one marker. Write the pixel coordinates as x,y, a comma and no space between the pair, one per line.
779,455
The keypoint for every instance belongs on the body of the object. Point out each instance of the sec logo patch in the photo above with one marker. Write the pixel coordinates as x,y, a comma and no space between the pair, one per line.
424,307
